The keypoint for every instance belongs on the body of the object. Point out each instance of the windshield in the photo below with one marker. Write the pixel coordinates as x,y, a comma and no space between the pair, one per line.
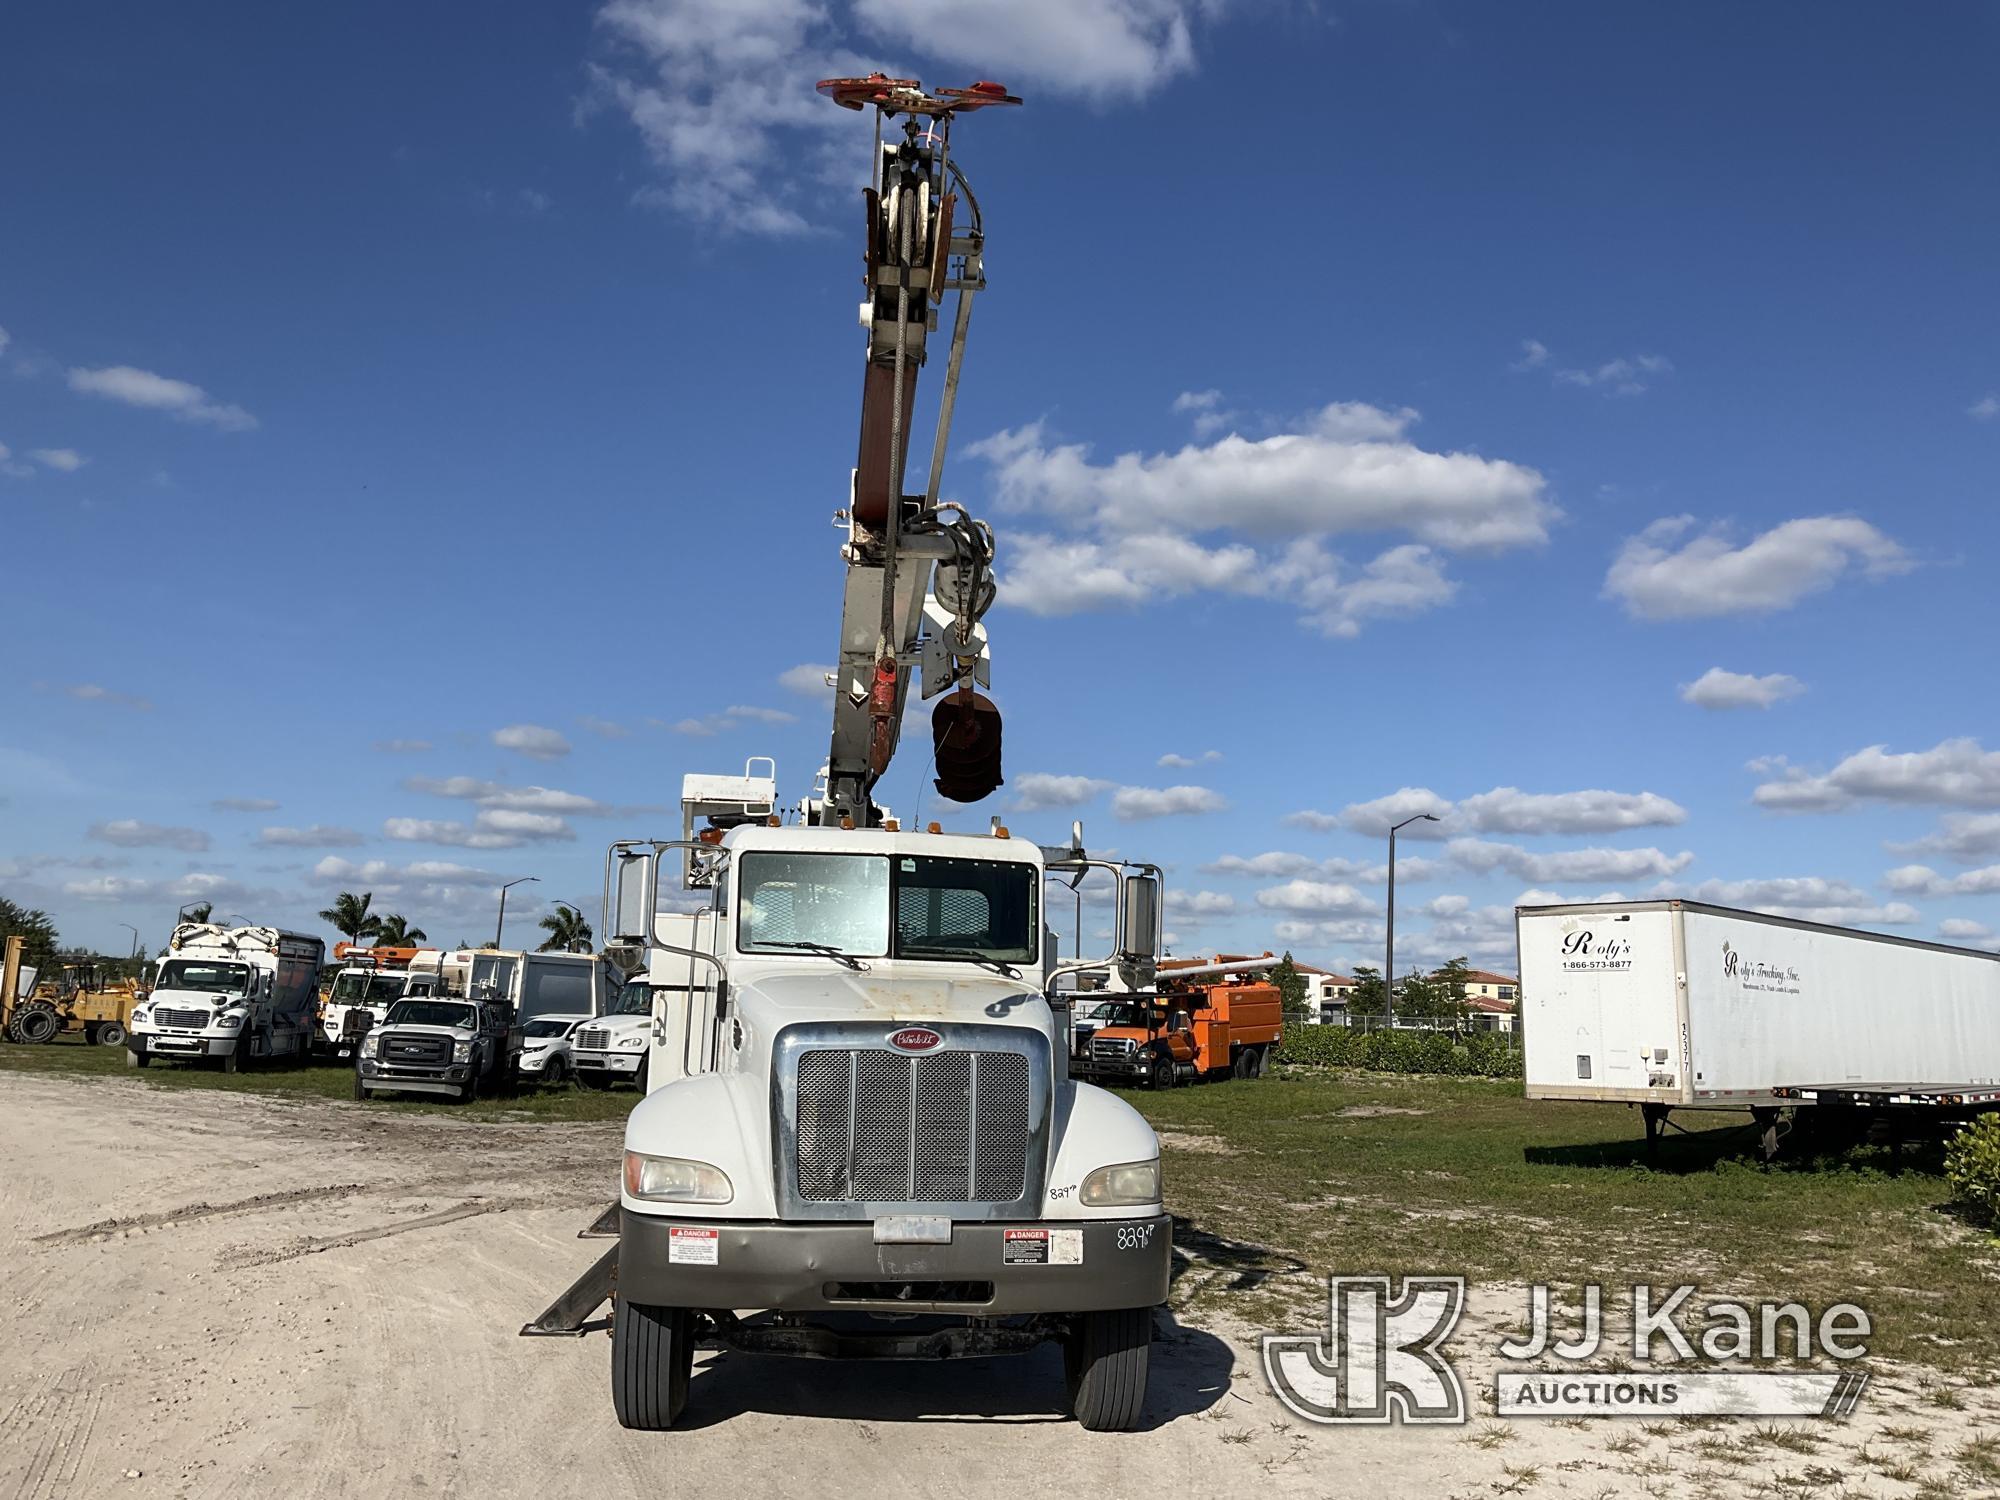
431,1013
635,999
546,1028
1124,1013
366,987
203,974
492,978
969,909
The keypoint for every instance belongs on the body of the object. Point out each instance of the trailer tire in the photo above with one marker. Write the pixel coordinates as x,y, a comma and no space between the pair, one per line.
1104,1363
111,1034
652,1360
1240,1067
137,1059
1259,1056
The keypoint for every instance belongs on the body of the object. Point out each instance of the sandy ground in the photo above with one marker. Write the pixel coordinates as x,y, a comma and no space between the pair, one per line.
224,1295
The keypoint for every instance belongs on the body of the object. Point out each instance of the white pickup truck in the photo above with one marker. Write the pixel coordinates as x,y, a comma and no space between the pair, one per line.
440,1045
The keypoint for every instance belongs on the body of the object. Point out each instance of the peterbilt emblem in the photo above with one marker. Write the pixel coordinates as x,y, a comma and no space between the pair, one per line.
914,1039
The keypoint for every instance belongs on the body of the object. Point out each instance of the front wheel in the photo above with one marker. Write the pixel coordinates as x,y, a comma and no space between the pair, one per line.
1105,1355
652,1360
360,1088
232,1060
137,1059
555,1072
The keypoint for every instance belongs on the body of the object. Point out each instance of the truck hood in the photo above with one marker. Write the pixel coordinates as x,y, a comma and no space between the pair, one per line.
965,995
411,1028
197,997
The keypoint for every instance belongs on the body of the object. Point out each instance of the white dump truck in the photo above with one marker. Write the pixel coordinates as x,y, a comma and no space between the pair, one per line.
1680,1005
229,993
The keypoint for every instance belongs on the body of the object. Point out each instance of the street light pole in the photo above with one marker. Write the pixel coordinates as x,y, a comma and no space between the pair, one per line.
135,938
1389,959
502,922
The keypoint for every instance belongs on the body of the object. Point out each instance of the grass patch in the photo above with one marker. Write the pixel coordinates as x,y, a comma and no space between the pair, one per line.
75,1058
1358,1173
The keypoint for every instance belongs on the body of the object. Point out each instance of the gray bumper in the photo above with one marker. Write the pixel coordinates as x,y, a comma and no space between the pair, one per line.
158,1044
451,1080
767,1266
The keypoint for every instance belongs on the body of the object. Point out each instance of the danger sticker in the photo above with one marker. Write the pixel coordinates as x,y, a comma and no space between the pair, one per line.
693,1247
1025,1247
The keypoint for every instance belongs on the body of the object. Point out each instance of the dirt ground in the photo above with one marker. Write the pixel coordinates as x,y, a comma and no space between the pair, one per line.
225,1295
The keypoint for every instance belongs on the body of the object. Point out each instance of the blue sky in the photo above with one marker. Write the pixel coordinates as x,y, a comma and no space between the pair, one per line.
1581,422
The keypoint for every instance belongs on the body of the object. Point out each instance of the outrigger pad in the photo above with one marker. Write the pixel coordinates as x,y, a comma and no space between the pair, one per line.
965,733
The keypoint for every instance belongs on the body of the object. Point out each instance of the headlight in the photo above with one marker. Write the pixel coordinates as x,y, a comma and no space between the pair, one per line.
461,1052
371,1045
139,1016
1130,1183
669,1179
630,1043
229,1022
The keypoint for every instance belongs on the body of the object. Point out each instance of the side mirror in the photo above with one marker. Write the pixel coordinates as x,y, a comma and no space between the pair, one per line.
636,876
1139,917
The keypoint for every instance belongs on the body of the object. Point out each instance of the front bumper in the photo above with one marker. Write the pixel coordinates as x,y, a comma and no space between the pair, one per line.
446,1080
1130,1067
608,1062
789,1267
169,1044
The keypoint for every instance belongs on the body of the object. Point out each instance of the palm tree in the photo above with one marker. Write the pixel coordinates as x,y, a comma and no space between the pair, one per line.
349,915
567,930
201,911
393,930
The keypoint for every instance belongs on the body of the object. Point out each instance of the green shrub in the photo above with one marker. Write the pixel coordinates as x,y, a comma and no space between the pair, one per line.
1972,1166
1477,1055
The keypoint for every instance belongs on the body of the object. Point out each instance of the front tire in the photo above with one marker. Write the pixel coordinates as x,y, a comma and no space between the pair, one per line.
1105,1357
137,1059
232,1061
652,1360
360,1088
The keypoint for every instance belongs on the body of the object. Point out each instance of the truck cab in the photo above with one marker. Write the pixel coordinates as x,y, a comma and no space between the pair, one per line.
617,1046
371,981
859,1103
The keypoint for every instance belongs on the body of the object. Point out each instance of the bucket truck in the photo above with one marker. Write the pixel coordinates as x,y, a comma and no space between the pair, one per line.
857,1064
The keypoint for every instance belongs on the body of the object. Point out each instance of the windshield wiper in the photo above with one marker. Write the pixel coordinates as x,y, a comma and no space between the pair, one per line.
825,950
998,966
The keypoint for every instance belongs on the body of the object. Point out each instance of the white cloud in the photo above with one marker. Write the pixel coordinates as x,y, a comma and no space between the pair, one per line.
333,870
1039,791
1096,49
1132,803
178,398
500,795
195,886
1177,762
1272,863
1375,819
1534,354
1201,903
5,340
733,717
91,692
1566,866
1341,931
1707,576
245,804
1717,689
130,833
808,679
1808,898
1250,518
404,747
1508,809
609,729
1961,836
1628,375
1953,773
65,460
1986,408
1316,898
1277,863
491,828
1921,880
535,741
1205,410
1959,929
319,836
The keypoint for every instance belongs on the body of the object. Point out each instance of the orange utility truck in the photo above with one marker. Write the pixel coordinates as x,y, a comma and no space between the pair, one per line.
1204,1020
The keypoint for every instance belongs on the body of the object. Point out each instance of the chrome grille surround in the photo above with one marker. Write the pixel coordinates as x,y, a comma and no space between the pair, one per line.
192,1019
593,1039
860,1129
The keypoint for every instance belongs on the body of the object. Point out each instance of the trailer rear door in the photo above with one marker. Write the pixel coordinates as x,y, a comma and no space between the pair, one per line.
1601,1004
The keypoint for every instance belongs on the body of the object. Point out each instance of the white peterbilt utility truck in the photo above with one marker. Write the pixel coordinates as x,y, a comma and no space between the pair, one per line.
859,1136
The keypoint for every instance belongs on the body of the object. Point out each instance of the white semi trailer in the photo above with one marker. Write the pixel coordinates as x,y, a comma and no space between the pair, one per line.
1680,1005
229,993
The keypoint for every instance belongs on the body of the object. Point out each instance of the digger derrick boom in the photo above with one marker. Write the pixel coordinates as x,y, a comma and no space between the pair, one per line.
919,573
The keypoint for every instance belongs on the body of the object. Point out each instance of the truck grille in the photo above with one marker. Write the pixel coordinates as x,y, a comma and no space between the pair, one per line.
1111,1046
417,1051
593,1039
193,1018
875,1126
